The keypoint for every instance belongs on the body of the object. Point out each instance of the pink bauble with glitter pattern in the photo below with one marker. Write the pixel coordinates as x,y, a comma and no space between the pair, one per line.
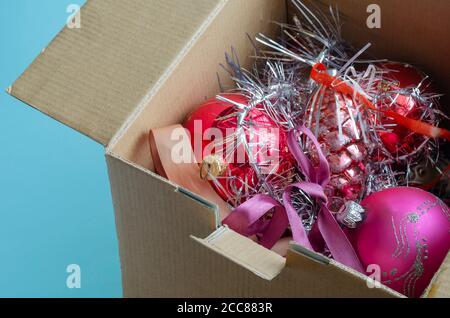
407,233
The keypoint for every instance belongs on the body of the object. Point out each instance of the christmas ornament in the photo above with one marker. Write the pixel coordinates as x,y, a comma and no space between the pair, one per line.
403,75
407,234
240,148
337,124
366,111
406,91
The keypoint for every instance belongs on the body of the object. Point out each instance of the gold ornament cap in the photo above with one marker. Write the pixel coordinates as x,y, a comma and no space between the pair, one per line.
212,166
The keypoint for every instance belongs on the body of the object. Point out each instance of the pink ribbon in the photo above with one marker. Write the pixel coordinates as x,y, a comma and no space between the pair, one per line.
247,219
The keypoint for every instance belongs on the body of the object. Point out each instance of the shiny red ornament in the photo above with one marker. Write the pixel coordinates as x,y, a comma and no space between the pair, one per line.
216,128
399,83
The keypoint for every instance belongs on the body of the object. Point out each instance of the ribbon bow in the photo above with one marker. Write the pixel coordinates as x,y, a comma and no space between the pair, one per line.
247,219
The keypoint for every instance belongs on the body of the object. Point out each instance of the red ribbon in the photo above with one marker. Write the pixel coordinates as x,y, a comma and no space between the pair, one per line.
320,75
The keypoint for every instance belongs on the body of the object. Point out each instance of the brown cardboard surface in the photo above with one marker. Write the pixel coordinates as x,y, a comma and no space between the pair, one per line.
152,216
440,286
412,31
249,254
271,266
195,79
92,78
227,266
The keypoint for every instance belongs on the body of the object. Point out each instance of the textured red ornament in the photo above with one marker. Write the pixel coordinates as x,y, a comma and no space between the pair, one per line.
240,174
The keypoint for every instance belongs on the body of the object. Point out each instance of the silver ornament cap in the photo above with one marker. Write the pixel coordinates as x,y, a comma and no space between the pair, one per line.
351,214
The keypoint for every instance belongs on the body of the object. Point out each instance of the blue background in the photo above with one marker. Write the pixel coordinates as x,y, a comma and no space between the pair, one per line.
55,203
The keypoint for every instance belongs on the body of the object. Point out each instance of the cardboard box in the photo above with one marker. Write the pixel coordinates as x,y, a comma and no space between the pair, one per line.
138,64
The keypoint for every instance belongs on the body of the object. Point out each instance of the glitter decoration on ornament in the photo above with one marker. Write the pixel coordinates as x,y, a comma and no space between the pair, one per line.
406,233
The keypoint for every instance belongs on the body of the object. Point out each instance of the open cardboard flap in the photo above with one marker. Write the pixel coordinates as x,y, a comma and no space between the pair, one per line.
92,78
302,273
440,285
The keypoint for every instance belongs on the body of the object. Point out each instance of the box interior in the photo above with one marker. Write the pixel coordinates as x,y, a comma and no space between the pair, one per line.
195,78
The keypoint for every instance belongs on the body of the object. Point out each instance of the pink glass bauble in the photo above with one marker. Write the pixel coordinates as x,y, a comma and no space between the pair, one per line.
407,234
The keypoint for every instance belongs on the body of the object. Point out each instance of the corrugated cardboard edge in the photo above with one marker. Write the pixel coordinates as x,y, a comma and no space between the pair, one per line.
275,269
440,285
265,263
92,78
294,247
9,89
176,188
257,259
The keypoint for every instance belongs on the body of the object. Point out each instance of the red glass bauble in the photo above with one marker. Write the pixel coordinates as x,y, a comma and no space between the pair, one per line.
400,83
217,129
